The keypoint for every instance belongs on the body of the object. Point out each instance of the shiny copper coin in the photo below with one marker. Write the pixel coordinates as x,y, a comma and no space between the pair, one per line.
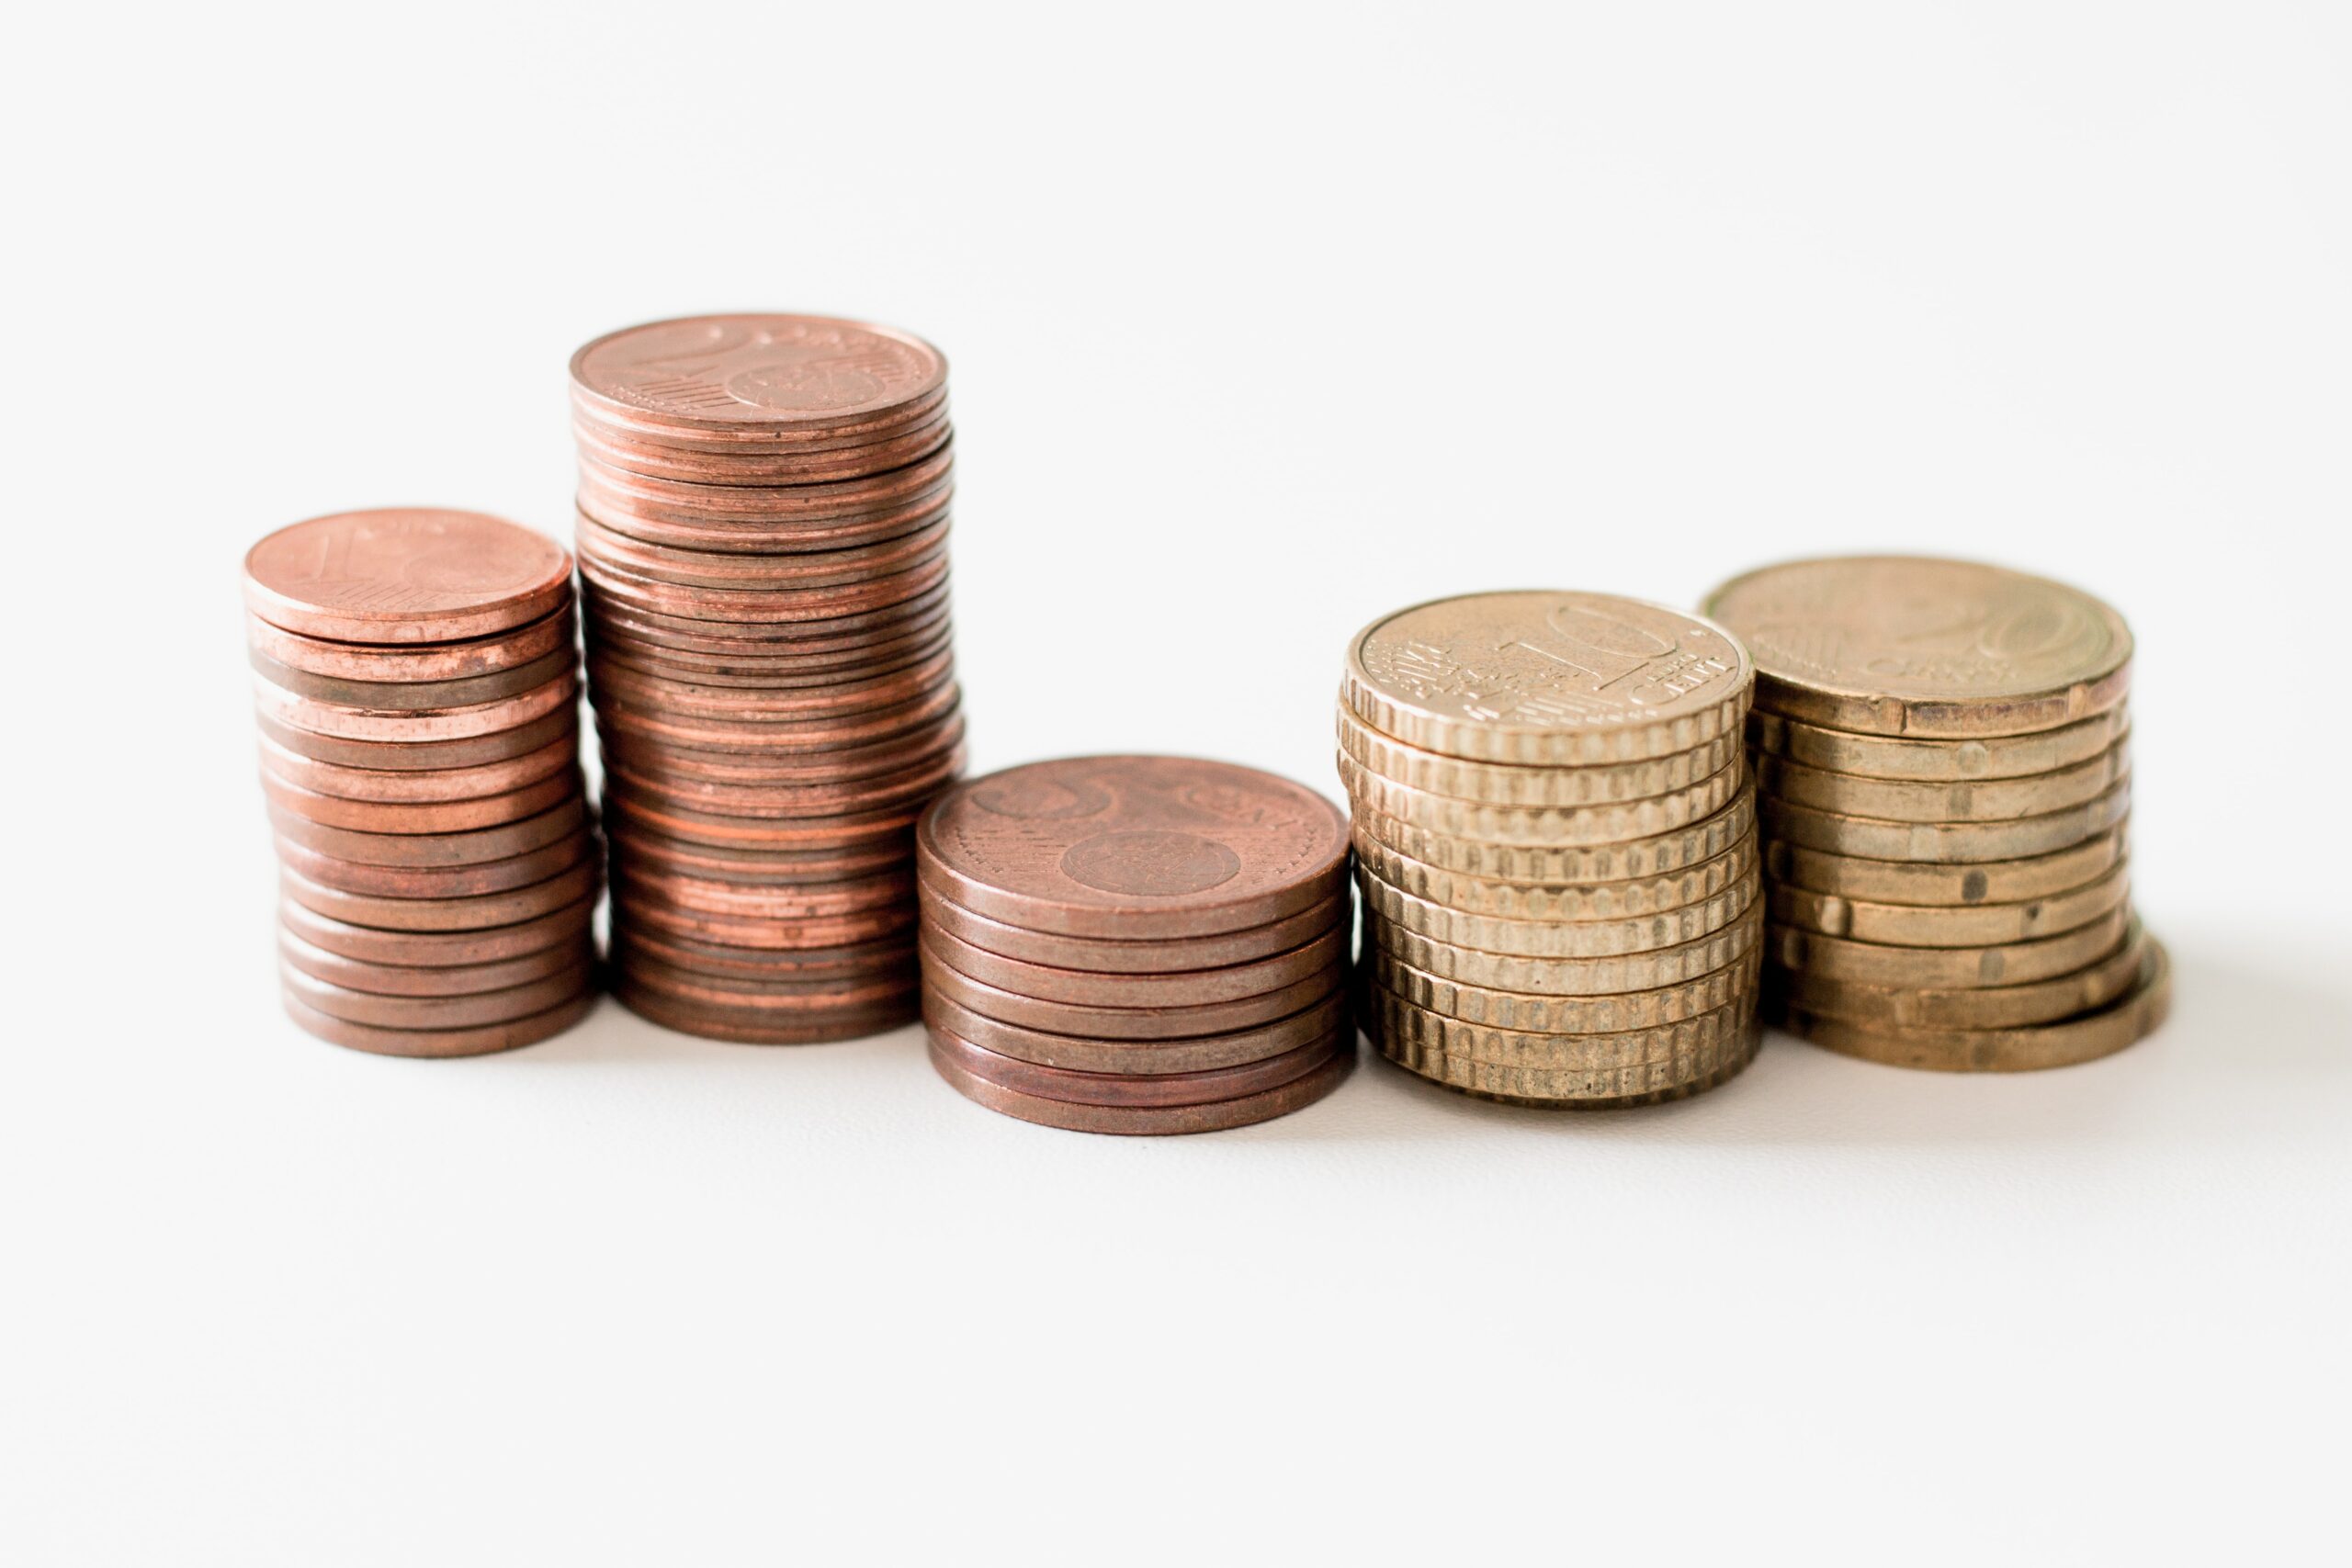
439,980
822,464
653,724
558,930
285,708
753,1027
766,572
632,902
752,373
1237,1048
418,785
632,808
1112,956
444,882
423,816
409,847
1136,1088
433,1011
1264,1106
466,660
782,673
724,608
776,517
724,449
828,633
913,788
1123,1022
1190,987
770,704
683,765
892,890
560,888
408,696
475,1041
401,756
1135,847
757,867
1977,1007
406,576
812,964
775,992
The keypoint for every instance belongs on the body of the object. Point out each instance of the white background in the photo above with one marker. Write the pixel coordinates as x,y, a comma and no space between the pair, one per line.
1264,321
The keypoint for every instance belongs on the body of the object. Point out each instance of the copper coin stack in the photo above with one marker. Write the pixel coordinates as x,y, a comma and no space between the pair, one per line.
1137,944
763,526
417,682
1943,755
1554,837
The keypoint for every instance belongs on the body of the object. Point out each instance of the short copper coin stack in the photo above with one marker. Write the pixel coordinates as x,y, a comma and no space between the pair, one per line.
417,681
1554,839
1943,752
763,524
1137,944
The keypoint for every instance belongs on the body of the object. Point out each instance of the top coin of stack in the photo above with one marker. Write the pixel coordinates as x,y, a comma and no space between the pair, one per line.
1943,752
1137,944
1554,839
762,522
418,692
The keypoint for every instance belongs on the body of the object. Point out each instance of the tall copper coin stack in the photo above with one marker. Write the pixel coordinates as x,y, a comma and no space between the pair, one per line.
1943,753
1554,839
417,682
1137,944
764,504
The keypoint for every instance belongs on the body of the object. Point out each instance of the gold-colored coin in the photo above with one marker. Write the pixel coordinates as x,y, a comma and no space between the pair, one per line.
2005,963
1547,678
1542,826
1975,800
1981,925
1565,977
1391,1018
1933,885
1991,1007
1967,843
1593,1090
1609,1014
2082,1038
1555,939
1559,864
1630,898
1505,784
1938,761
1908,646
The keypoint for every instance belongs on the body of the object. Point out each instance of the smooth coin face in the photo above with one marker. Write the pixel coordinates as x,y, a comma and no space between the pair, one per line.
1541,677
1900,644
405,575
758,369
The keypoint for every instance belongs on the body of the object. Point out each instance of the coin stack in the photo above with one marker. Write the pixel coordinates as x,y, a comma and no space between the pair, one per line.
1943,753
1137,944
1554,839
763,522
417,682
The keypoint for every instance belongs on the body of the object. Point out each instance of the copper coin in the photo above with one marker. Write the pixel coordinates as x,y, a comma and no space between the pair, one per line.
723,449
560,888
893,890
769,657
913,788
426,849
757,867
775,994
404,696
752,1028
437,980
476,1042
405,575
641,659
656,725
401,756
753,373
890,956
829,634
420,817
1079,1054
1264,1106
730,529
431,882
768,706
1190,987
774,572
560,929
635,808
443,662
684,765
1136,1089
1118,1023
1135,847
632,902
763,508
418,785
1110,956
822,464
724,609
284,707
436,1012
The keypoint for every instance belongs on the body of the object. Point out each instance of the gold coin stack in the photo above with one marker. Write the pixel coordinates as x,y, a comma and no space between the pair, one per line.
1554,836
1943,757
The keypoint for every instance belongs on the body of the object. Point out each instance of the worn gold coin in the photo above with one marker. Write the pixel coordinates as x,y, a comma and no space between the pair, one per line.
1977,1007
1911,925
1928,884
1504,784
1555,937
1658,855
1874,838
1974,800
1565,977
1609,1013
1592,1088
1542,826
1938,761
1393,1020
2002,964
1629,898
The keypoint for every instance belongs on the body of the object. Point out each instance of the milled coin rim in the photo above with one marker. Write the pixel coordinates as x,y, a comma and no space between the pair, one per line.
1980,759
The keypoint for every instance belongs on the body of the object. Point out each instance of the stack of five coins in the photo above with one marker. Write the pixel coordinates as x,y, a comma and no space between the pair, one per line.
417,683
1554,834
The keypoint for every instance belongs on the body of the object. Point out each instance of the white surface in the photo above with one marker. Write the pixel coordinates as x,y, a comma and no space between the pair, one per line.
1261,323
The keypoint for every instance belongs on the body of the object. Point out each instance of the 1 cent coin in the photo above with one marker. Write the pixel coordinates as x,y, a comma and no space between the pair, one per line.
404,576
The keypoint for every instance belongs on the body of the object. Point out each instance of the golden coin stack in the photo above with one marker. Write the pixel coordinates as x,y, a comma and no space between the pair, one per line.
1943,756
1554,828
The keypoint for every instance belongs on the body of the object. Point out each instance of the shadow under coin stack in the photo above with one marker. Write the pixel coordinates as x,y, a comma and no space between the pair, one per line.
1554,839
1943,757
418,690
1137,944
763,505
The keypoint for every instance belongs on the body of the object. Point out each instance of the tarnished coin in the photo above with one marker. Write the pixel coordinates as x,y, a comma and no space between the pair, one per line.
1939,762
1547,678
1908,646
1134,847
1124,1022
1690,1042
740,569
1204,1088
1609,1013
1963,843
1184,988
654,724
419,785
826,966
406,1011
1554,938
405,756
1911,925
433,882
475,1041
1566,976
1579,1088
2005,963
1543,827
1948,885
2081,1038
826,633
1503,783
561,886
409,697
1106,955
779,608
571,956
837,1019
1264,1106
405,575
1544,865
421,817
1908,800
425,662
637,904
421,725
1981,1007
555,931
755,867
1088,1055
454,848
